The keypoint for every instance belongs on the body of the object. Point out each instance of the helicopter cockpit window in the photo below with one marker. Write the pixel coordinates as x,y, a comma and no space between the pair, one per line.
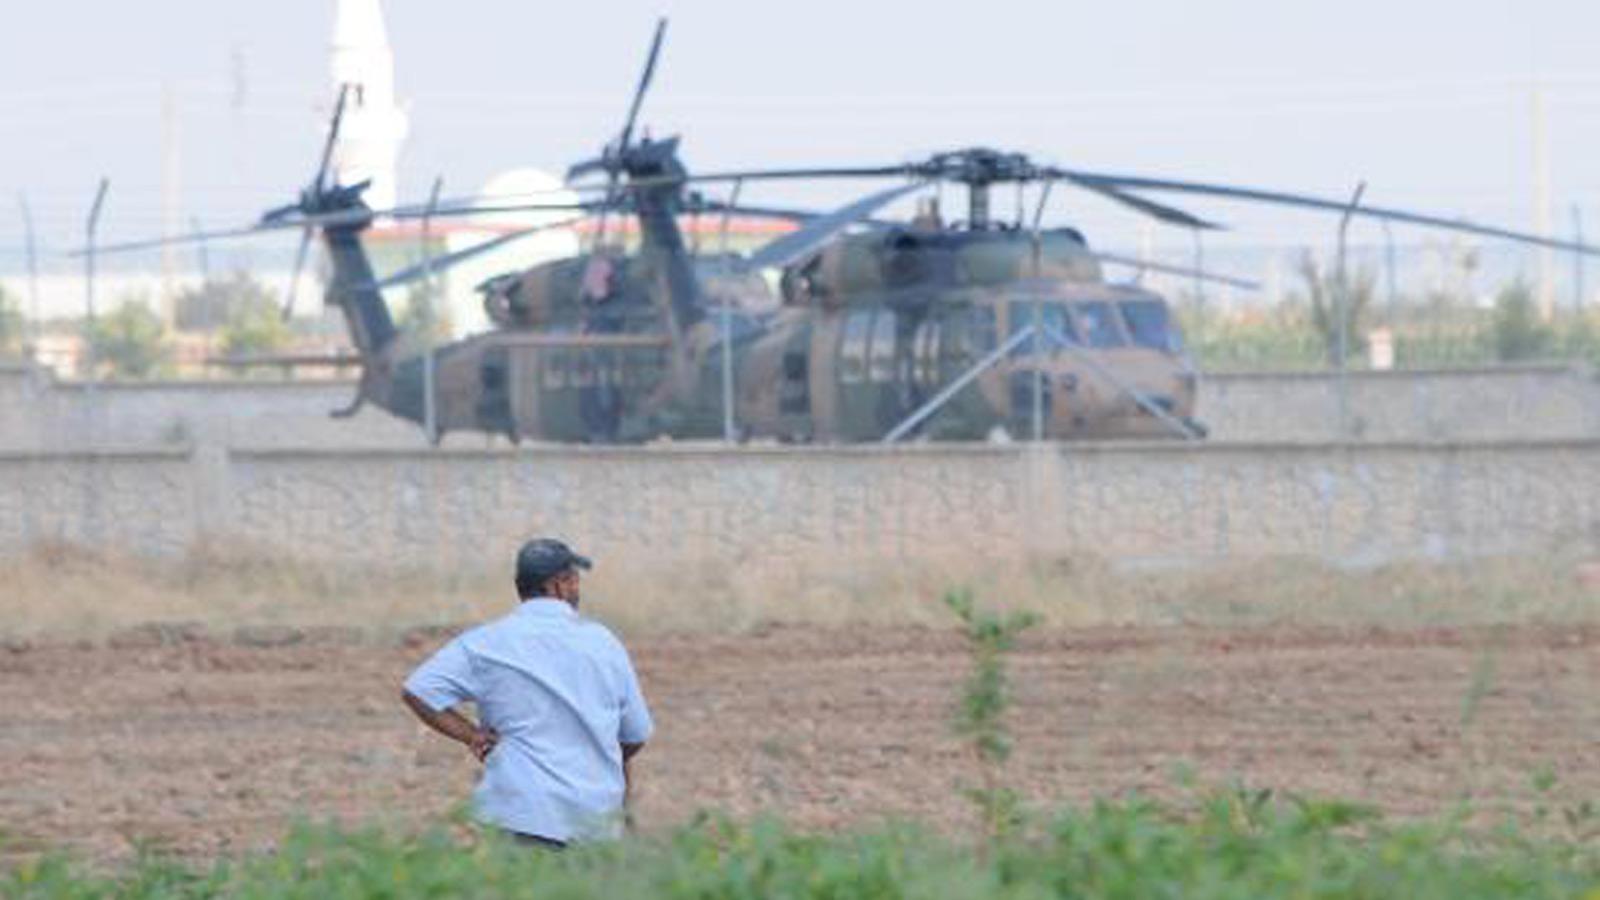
1099,324
853,346
1150,325
880,362
1052,315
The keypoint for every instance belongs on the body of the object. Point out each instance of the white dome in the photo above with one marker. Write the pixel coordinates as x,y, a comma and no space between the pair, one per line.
524,185
507,189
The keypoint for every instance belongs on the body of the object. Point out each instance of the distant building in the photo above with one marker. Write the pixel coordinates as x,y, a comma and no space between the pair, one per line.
374,125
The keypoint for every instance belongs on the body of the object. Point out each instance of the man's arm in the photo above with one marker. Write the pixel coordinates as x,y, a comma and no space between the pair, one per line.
455,726
629,751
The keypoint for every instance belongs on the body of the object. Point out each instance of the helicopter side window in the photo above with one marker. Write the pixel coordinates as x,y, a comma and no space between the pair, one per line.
794,394
880,364
1151,326
982,331
1099,324
853,346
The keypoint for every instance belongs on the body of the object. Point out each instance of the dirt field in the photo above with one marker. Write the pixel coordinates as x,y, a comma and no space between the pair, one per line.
211,745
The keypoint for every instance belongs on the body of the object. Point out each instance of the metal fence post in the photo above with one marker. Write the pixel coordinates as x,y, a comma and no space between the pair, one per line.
1341,305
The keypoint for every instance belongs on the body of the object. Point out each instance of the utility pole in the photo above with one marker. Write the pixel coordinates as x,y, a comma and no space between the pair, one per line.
730,427
1577,259
430,403
200,250
1541,203
1038,317
170,175
1393,295
1341,300
32,249
90,228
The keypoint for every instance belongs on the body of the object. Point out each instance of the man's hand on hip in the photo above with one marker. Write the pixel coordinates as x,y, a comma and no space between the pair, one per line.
482,742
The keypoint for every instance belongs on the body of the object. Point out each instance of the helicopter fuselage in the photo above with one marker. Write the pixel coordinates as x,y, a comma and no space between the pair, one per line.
871,328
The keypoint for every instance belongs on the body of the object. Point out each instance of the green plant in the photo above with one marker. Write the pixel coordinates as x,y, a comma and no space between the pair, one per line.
980,716
421,323
1226,844
255,328
1516,331
131,341
1328,294
217,302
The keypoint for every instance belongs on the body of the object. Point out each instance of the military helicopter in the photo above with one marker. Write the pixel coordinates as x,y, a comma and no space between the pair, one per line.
932,328
603,347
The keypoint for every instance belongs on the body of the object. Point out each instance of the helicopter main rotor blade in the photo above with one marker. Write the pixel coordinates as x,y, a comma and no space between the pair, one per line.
791,174
294,277
449,260
333,138
1168,269
645,78
1159,211
193,237
761,212
791,247
611,156
1304,201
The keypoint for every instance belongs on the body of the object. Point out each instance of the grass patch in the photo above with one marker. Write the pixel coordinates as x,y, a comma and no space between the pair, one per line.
63,590
1224,844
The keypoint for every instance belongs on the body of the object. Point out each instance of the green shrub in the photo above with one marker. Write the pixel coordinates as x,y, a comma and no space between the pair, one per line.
1223,844
1517,332
131,341
216,302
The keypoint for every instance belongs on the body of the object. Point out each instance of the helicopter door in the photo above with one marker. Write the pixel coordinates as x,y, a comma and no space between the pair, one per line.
794,386
494,393
857,406
524,387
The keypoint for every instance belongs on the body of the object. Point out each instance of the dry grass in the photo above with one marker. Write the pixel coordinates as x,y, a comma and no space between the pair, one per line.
66,591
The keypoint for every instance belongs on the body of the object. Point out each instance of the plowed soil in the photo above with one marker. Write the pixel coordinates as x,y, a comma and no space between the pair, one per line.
210,745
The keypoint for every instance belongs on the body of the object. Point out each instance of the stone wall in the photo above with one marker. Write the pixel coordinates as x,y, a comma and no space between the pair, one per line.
37,412
1543,402
1504,403
791,510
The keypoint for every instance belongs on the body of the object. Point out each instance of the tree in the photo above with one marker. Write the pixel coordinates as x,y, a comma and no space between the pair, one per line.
420,321
1322,296
255,328
1516,331
13,326
131,341
218,302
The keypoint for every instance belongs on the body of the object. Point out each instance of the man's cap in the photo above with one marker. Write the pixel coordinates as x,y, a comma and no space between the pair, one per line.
543,557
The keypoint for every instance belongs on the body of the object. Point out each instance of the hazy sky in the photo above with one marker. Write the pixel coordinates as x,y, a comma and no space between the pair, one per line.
1428,101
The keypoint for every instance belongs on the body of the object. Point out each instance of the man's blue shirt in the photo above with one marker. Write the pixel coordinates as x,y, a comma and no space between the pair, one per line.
561,693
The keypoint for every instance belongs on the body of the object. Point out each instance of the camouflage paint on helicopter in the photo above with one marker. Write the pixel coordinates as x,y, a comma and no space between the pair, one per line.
879,323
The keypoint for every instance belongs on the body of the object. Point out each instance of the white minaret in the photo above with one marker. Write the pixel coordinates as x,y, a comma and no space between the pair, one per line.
374,125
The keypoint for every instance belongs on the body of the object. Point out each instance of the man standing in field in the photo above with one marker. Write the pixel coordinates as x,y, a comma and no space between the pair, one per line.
560,713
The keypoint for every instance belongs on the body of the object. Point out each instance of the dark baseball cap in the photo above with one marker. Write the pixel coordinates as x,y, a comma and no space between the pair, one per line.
543,557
